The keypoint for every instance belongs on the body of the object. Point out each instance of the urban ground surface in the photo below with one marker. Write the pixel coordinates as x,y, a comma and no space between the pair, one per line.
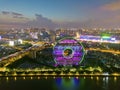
35,56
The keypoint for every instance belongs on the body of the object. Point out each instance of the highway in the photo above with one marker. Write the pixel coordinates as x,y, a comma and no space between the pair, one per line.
103,50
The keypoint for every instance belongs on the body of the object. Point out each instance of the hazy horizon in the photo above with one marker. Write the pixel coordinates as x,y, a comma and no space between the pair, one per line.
59,13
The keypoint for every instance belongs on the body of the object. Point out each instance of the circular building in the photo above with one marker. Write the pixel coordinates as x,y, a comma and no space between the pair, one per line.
68,51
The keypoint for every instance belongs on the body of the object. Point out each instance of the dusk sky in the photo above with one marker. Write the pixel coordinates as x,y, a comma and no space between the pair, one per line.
59,13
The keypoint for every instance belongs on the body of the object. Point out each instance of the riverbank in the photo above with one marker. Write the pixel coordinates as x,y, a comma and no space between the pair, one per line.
6,74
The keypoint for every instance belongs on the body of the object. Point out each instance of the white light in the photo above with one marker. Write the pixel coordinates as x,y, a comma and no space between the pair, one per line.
20,40
106,74
41,34
57,36
0,37
113,38
77,35
11,43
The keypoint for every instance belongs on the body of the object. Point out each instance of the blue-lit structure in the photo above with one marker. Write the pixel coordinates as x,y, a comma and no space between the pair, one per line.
109,39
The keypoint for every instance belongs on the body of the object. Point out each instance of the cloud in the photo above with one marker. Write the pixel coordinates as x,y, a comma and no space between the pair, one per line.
114,6
12,20
104,20
106,16
41,21
16,14
15,19
98,18
5,12
11,13
20,17
12,16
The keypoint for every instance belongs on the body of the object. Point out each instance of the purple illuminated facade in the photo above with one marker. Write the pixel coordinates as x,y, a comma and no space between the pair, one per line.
68,51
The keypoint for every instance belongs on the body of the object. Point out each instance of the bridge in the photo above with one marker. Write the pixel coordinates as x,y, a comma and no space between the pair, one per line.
31,52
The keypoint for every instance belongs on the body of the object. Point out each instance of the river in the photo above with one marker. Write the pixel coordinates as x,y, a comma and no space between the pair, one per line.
59,83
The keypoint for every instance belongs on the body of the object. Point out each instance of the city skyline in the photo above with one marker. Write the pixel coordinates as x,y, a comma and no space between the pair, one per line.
59,13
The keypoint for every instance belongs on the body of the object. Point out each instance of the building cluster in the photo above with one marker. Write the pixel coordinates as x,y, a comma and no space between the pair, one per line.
44,34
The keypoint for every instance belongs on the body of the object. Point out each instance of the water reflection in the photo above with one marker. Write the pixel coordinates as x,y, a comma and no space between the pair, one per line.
105,82
23,78
67,83
7,78
59,83
97,78
115,79
38,77
15,78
